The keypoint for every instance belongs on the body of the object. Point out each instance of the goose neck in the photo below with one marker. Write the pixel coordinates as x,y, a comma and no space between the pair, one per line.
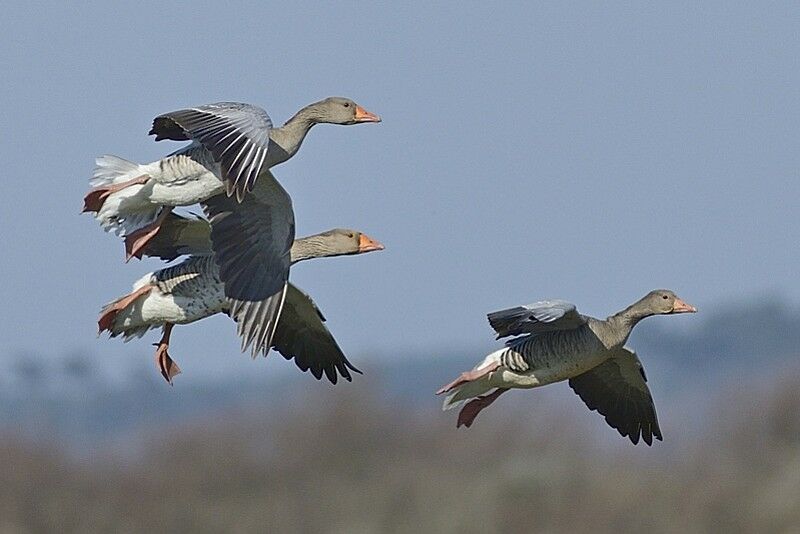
306,248
290,136
621,323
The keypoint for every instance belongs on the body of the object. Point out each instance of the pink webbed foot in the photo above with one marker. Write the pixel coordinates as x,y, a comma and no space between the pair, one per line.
468,376
166,365
137,241
94,199
471,409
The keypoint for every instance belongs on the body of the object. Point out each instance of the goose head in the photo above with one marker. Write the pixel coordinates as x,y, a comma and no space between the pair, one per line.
664,302
339,110
342,242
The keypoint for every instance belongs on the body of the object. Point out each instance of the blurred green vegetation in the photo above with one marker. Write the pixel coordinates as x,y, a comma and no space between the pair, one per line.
356,462
377,455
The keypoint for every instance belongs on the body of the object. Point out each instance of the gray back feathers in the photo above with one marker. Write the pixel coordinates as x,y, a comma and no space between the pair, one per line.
536,318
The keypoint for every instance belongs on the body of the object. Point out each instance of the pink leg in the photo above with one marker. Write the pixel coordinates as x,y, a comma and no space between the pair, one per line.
135,242
468,376
95,198
166,365
471,410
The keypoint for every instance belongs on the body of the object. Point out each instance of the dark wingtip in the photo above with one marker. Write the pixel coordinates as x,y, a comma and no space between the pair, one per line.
331,375
352,367
231,190
241,191
166,128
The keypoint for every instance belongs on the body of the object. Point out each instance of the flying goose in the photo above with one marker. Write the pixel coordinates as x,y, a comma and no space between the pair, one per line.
558,344
191,290
232,144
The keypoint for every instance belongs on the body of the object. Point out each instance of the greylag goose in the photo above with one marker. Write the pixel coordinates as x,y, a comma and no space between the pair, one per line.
558,344
251,242
232,144
191,290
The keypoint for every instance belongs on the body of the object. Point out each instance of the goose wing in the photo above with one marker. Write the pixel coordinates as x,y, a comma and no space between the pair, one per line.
251,241
617,389
302,335
542,316
236,134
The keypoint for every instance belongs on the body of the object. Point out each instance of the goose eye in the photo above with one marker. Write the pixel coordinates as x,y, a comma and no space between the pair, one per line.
665,297
347,104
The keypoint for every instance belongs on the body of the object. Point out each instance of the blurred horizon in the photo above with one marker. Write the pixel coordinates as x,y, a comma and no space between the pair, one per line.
685,368
281,451
117,361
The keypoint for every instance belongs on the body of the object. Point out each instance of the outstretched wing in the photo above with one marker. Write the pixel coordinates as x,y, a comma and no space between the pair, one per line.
302,335
617,389
252,241
542,316
236,134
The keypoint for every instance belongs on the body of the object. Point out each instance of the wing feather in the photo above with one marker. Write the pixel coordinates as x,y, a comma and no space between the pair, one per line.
252,241
618,390
303,336
228,130
536,318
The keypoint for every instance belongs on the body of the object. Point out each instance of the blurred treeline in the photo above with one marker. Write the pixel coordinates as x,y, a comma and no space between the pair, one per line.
356,463
378,456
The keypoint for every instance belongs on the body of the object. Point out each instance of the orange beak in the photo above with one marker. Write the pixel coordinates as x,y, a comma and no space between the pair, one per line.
683,307
362,115
367,244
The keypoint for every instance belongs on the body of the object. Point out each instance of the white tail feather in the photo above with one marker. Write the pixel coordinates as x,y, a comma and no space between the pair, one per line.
128,209
110,170
466,392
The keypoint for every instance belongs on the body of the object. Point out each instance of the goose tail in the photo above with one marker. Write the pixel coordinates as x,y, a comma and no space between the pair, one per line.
466,392
119,208
470,390
123,316
112,170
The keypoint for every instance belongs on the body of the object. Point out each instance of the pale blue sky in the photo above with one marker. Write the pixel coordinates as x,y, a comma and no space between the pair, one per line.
587,151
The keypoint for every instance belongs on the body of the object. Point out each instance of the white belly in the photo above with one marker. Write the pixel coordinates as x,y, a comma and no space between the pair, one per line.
192,190
157,308
561,370
183,181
